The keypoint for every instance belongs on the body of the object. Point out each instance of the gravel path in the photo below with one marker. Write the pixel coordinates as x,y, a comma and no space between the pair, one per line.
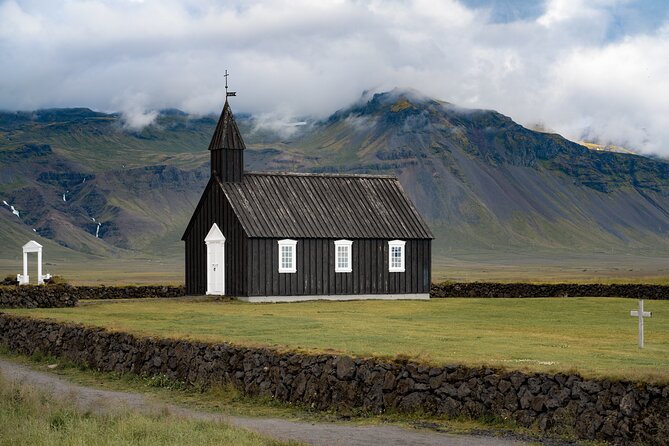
89,398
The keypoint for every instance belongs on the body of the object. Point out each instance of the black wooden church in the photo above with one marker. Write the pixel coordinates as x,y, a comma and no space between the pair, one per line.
279,236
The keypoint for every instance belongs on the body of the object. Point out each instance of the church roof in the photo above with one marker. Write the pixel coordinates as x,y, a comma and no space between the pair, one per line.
226,135
294,205
303,205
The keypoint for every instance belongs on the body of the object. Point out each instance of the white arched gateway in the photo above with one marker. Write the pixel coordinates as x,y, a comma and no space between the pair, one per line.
215,241
24,279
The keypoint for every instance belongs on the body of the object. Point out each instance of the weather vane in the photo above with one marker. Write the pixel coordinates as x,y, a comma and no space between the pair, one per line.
228,93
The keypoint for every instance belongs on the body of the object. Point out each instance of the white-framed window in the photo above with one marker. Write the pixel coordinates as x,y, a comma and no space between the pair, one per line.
396,256
343,249
287,257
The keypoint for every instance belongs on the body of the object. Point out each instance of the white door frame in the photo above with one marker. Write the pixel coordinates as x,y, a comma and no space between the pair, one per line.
215,241
24,279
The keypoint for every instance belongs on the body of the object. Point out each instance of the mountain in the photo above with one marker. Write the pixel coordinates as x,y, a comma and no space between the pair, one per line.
483,180
81,179
607,147
96,189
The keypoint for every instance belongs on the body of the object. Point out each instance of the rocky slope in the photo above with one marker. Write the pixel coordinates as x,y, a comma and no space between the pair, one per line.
80,179
483,180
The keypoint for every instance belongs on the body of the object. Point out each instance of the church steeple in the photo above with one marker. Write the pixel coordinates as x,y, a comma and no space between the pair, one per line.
227,148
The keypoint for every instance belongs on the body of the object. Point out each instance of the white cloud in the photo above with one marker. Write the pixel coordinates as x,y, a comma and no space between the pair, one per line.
561,68
279,121
134,113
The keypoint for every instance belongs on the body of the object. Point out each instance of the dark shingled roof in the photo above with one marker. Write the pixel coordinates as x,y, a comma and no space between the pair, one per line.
294,205
226,135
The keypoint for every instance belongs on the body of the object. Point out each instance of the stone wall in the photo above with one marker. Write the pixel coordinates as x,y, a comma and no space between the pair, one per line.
28,296
484,289
128,292
45,296
619,412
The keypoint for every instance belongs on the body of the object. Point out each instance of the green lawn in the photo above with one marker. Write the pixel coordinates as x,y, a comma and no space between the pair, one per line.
30,417
594,336
455,266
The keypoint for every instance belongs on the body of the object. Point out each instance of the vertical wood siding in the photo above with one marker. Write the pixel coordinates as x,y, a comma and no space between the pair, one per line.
216,209
316,269
228,164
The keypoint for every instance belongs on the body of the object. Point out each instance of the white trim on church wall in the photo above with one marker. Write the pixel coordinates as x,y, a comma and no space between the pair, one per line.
215,241
343,256
396,256
214,234
287,256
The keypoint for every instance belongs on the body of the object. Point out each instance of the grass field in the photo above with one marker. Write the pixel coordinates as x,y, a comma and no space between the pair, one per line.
594,336
550,267
29,417
104,271
457,266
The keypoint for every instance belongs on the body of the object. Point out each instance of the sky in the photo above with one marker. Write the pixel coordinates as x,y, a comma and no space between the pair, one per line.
588,69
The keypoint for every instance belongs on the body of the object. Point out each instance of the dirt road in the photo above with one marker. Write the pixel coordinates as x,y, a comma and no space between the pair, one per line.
88,398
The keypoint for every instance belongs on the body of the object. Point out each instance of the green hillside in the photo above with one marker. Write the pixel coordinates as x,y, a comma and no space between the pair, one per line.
490,188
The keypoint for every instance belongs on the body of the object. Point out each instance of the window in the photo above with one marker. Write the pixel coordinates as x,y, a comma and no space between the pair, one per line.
343,256
396,256
287,260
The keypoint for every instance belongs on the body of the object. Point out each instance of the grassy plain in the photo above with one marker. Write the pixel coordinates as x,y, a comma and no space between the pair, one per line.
550,266
594,336
484,265
30,417
104,271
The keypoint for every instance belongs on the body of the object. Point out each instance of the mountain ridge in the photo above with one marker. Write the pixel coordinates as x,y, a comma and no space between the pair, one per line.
481,180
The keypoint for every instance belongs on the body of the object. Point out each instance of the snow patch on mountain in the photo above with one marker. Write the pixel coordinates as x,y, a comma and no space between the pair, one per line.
13,209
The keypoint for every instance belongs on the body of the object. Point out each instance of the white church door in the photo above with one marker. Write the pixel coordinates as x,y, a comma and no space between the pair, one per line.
215,261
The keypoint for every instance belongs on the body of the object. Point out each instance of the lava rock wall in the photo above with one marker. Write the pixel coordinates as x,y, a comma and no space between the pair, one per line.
53,296
489,289
27,296
616,411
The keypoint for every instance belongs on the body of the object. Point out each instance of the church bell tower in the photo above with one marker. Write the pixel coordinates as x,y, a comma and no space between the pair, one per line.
227,146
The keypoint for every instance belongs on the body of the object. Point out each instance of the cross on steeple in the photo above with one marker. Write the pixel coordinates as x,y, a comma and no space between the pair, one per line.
231,93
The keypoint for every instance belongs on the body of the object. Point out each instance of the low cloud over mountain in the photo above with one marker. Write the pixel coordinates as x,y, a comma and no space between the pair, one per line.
583,68
482,181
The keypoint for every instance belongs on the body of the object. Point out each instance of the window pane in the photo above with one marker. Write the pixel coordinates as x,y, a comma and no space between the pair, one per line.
342,257
396,257
286,257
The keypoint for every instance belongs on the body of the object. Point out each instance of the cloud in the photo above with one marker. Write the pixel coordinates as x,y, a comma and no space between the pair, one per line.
593,68
137,119
281,122
134,112
616,94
